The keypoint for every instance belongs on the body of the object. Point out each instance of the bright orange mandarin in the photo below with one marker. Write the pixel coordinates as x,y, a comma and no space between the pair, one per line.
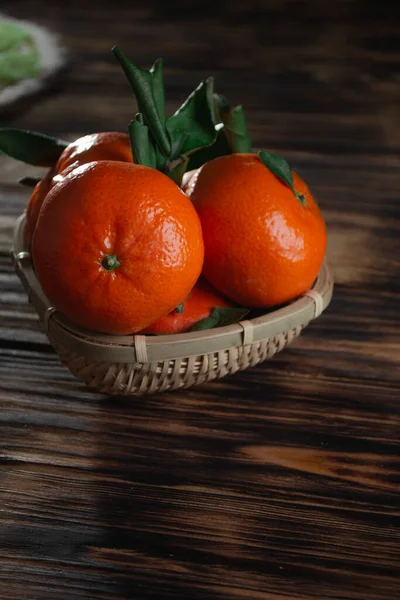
198,305
36,200
262,246
117,246
108,145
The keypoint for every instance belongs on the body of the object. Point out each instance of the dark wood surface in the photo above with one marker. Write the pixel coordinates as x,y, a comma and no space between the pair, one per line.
281,482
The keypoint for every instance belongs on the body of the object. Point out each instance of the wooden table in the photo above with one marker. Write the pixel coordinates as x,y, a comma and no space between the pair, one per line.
281,482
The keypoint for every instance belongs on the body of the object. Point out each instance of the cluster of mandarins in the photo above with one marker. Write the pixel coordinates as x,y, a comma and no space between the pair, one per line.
154,230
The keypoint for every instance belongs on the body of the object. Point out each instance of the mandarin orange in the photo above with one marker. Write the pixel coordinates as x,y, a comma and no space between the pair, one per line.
35,202
263,247
107,145
198,305
110,145
117,246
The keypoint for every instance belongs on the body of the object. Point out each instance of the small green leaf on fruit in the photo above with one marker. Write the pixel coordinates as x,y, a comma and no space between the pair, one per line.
220,317
180,309
31,147
279,167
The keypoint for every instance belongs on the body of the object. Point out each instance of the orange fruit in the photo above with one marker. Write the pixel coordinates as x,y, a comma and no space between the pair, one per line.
107,145
262,246
198,305
117,246
110,145
35,202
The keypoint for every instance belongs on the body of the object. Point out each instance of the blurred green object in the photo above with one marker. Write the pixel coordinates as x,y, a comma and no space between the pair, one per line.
19,56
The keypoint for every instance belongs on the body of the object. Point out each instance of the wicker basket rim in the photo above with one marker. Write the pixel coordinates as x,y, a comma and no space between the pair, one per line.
142,349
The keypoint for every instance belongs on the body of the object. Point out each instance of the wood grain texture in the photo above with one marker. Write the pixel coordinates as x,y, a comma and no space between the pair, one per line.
279,483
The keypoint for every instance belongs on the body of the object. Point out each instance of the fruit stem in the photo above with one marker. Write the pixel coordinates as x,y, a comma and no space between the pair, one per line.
110,262
301,198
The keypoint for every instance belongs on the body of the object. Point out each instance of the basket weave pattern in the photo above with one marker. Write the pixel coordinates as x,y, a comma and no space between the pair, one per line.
151,377
139,364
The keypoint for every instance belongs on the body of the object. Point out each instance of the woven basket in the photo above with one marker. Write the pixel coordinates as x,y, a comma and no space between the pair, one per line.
139,364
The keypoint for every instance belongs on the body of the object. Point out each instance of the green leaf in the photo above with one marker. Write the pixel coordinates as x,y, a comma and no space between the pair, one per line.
232,135
235,125
142,148
157,84
160,158
30,147
157,158
220,317
220,147
146,86
177,144
193,124
279,167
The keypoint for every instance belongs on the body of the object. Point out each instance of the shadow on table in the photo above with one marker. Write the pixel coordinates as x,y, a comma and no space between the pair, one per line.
181,506
232,489
229,490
